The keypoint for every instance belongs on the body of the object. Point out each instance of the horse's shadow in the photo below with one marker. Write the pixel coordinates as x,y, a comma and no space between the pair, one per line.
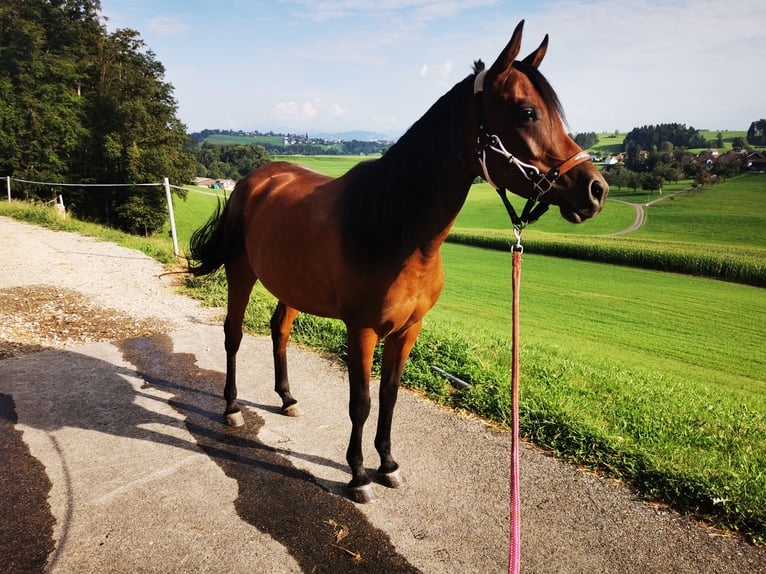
274,496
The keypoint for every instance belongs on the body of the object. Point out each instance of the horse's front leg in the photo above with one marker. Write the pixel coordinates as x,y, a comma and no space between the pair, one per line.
240,279
281,325
361,344
395,352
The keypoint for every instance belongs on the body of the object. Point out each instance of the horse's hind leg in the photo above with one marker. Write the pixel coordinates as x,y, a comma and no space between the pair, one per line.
395,352
241,279
281,325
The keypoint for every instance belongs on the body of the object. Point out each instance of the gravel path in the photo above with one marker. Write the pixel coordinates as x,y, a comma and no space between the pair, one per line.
63,291
640,208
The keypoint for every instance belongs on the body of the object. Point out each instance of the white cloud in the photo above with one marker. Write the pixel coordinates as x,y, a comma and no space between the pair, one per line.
167,26
309,111
421,10
442,73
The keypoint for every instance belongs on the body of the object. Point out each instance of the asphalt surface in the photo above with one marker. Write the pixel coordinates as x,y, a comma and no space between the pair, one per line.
114,459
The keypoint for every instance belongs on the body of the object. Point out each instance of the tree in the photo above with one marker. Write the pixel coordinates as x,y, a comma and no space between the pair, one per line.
586,140
633,180
692,169
229,161
652,182
617,176
634,161
719,140
739,143
756,133
82,105
678,134
42,70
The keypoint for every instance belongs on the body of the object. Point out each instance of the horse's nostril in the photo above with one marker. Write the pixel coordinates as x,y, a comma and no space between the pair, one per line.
597,190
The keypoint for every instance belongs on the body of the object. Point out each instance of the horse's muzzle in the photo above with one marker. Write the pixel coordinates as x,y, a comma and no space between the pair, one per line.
578,208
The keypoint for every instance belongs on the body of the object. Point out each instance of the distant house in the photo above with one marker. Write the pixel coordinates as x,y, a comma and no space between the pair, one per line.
204,181
707,158
732,155
211,183
756,161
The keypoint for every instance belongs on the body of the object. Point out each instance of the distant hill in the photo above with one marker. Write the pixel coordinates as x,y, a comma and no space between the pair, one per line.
358,135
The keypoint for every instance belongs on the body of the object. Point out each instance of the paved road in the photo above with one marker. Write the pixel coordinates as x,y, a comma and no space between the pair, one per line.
114,460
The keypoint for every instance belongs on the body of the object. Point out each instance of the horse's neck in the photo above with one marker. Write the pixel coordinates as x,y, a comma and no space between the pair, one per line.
455,171
459,179
408,199
456,198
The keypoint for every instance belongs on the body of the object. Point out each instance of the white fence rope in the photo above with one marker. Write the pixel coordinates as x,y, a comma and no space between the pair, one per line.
164,184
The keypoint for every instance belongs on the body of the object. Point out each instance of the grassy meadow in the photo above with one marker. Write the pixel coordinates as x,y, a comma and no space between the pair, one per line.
656,378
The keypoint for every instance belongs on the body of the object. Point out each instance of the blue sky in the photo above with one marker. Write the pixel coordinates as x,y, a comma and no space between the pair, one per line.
337,65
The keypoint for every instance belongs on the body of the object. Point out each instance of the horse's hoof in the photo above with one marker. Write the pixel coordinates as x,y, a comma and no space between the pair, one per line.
362,494
292,411
392,479
234,419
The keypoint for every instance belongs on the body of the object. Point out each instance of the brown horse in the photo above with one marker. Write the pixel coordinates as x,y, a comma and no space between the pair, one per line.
365,247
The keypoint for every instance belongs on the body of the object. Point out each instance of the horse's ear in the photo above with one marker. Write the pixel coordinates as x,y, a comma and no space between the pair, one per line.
537,56
505,60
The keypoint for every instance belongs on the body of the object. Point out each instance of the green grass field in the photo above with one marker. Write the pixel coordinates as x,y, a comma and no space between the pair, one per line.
731,213
656,378
484,210
221,139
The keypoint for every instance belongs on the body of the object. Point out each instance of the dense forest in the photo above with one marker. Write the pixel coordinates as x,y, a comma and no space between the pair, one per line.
82,105
677,134
229,161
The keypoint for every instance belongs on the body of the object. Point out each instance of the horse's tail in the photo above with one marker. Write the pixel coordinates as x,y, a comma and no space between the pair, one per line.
215,243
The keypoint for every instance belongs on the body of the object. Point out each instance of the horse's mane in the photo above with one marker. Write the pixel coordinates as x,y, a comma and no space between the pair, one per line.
389,202
392,205
543,87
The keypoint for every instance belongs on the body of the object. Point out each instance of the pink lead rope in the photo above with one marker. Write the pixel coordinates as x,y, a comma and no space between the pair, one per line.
514,560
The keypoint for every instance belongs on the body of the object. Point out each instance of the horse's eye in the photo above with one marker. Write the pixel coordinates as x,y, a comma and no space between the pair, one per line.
528,115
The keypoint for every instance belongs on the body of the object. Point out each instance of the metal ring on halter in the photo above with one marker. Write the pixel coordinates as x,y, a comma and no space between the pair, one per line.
517,232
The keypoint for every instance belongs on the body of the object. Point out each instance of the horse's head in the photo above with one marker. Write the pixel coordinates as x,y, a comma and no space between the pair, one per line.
522,142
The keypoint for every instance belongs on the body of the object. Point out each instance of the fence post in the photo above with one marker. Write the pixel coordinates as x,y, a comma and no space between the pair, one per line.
166,184
8,186
60,206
